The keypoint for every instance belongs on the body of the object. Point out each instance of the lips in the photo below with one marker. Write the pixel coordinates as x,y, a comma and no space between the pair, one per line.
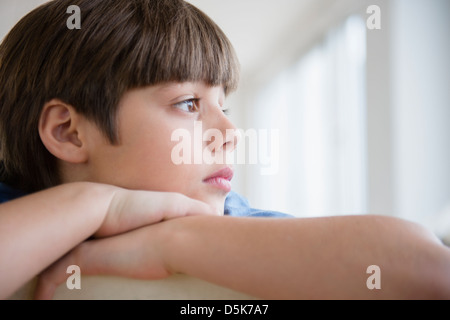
225,173
221,179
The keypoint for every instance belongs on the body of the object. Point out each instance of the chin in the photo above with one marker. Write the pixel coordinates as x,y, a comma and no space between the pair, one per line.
216,201
219,210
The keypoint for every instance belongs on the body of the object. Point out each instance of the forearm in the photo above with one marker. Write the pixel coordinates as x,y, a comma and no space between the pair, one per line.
310,258
37,229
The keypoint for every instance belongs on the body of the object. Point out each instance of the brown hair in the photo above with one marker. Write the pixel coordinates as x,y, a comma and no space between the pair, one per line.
122,44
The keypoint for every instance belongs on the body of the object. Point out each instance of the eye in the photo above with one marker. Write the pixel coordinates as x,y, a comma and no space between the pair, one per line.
190,105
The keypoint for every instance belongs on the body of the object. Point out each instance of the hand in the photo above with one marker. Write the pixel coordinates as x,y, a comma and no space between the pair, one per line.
64,216
130,209
136,254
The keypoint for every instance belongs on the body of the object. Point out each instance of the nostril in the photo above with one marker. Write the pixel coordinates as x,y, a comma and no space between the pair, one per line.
232,139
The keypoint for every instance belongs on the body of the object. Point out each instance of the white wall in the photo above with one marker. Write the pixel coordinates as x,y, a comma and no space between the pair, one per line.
420,53
379,115
408,97
11,12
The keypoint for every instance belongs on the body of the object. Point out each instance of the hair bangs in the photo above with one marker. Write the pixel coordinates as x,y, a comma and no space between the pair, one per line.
191,47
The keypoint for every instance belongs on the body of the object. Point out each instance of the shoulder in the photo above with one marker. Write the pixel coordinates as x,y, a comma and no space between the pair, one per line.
7,193
238,206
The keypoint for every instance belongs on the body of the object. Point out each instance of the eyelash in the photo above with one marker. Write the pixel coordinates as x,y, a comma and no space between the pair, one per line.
192,105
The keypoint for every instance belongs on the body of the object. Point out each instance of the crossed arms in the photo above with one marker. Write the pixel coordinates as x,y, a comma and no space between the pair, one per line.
150,235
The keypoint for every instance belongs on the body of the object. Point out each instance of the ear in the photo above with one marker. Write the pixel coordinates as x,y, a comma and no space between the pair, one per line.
60,130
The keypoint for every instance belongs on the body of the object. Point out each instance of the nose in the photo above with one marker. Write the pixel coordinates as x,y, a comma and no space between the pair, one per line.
223,135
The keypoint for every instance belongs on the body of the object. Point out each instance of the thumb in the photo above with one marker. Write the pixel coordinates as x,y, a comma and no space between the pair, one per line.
52,277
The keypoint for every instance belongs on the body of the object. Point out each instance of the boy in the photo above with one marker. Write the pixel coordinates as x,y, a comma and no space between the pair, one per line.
87,118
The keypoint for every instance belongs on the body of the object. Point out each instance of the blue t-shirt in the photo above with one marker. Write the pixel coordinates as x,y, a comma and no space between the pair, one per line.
235,204
238,206
7,193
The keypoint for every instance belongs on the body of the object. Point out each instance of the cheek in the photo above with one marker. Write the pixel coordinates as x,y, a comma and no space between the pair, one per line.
151,166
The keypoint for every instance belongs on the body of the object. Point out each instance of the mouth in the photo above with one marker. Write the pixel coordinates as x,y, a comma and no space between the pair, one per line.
221,179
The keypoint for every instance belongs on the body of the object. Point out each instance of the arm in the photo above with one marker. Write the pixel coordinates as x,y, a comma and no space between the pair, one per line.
38,229
313,258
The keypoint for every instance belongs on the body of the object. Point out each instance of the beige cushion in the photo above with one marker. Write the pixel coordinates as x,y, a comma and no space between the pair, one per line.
176,287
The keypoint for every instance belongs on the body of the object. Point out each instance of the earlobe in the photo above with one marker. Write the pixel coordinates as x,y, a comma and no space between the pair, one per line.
60,132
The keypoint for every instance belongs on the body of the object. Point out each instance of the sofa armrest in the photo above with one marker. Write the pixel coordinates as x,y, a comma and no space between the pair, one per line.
176,287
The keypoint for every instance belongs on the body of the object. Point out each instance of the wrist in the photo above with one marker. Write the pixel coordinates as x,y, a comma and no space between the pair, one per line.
95,197
176,243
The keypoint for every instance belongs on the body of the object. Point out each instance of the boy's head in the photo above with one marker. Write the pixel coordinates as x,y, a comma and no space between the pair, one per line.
122,45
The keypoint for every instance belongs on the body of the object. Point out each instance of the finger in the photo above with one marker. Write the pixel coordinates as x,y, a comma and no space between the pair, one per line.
131,210
131,254
53,276
44,290
134,254
179,205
